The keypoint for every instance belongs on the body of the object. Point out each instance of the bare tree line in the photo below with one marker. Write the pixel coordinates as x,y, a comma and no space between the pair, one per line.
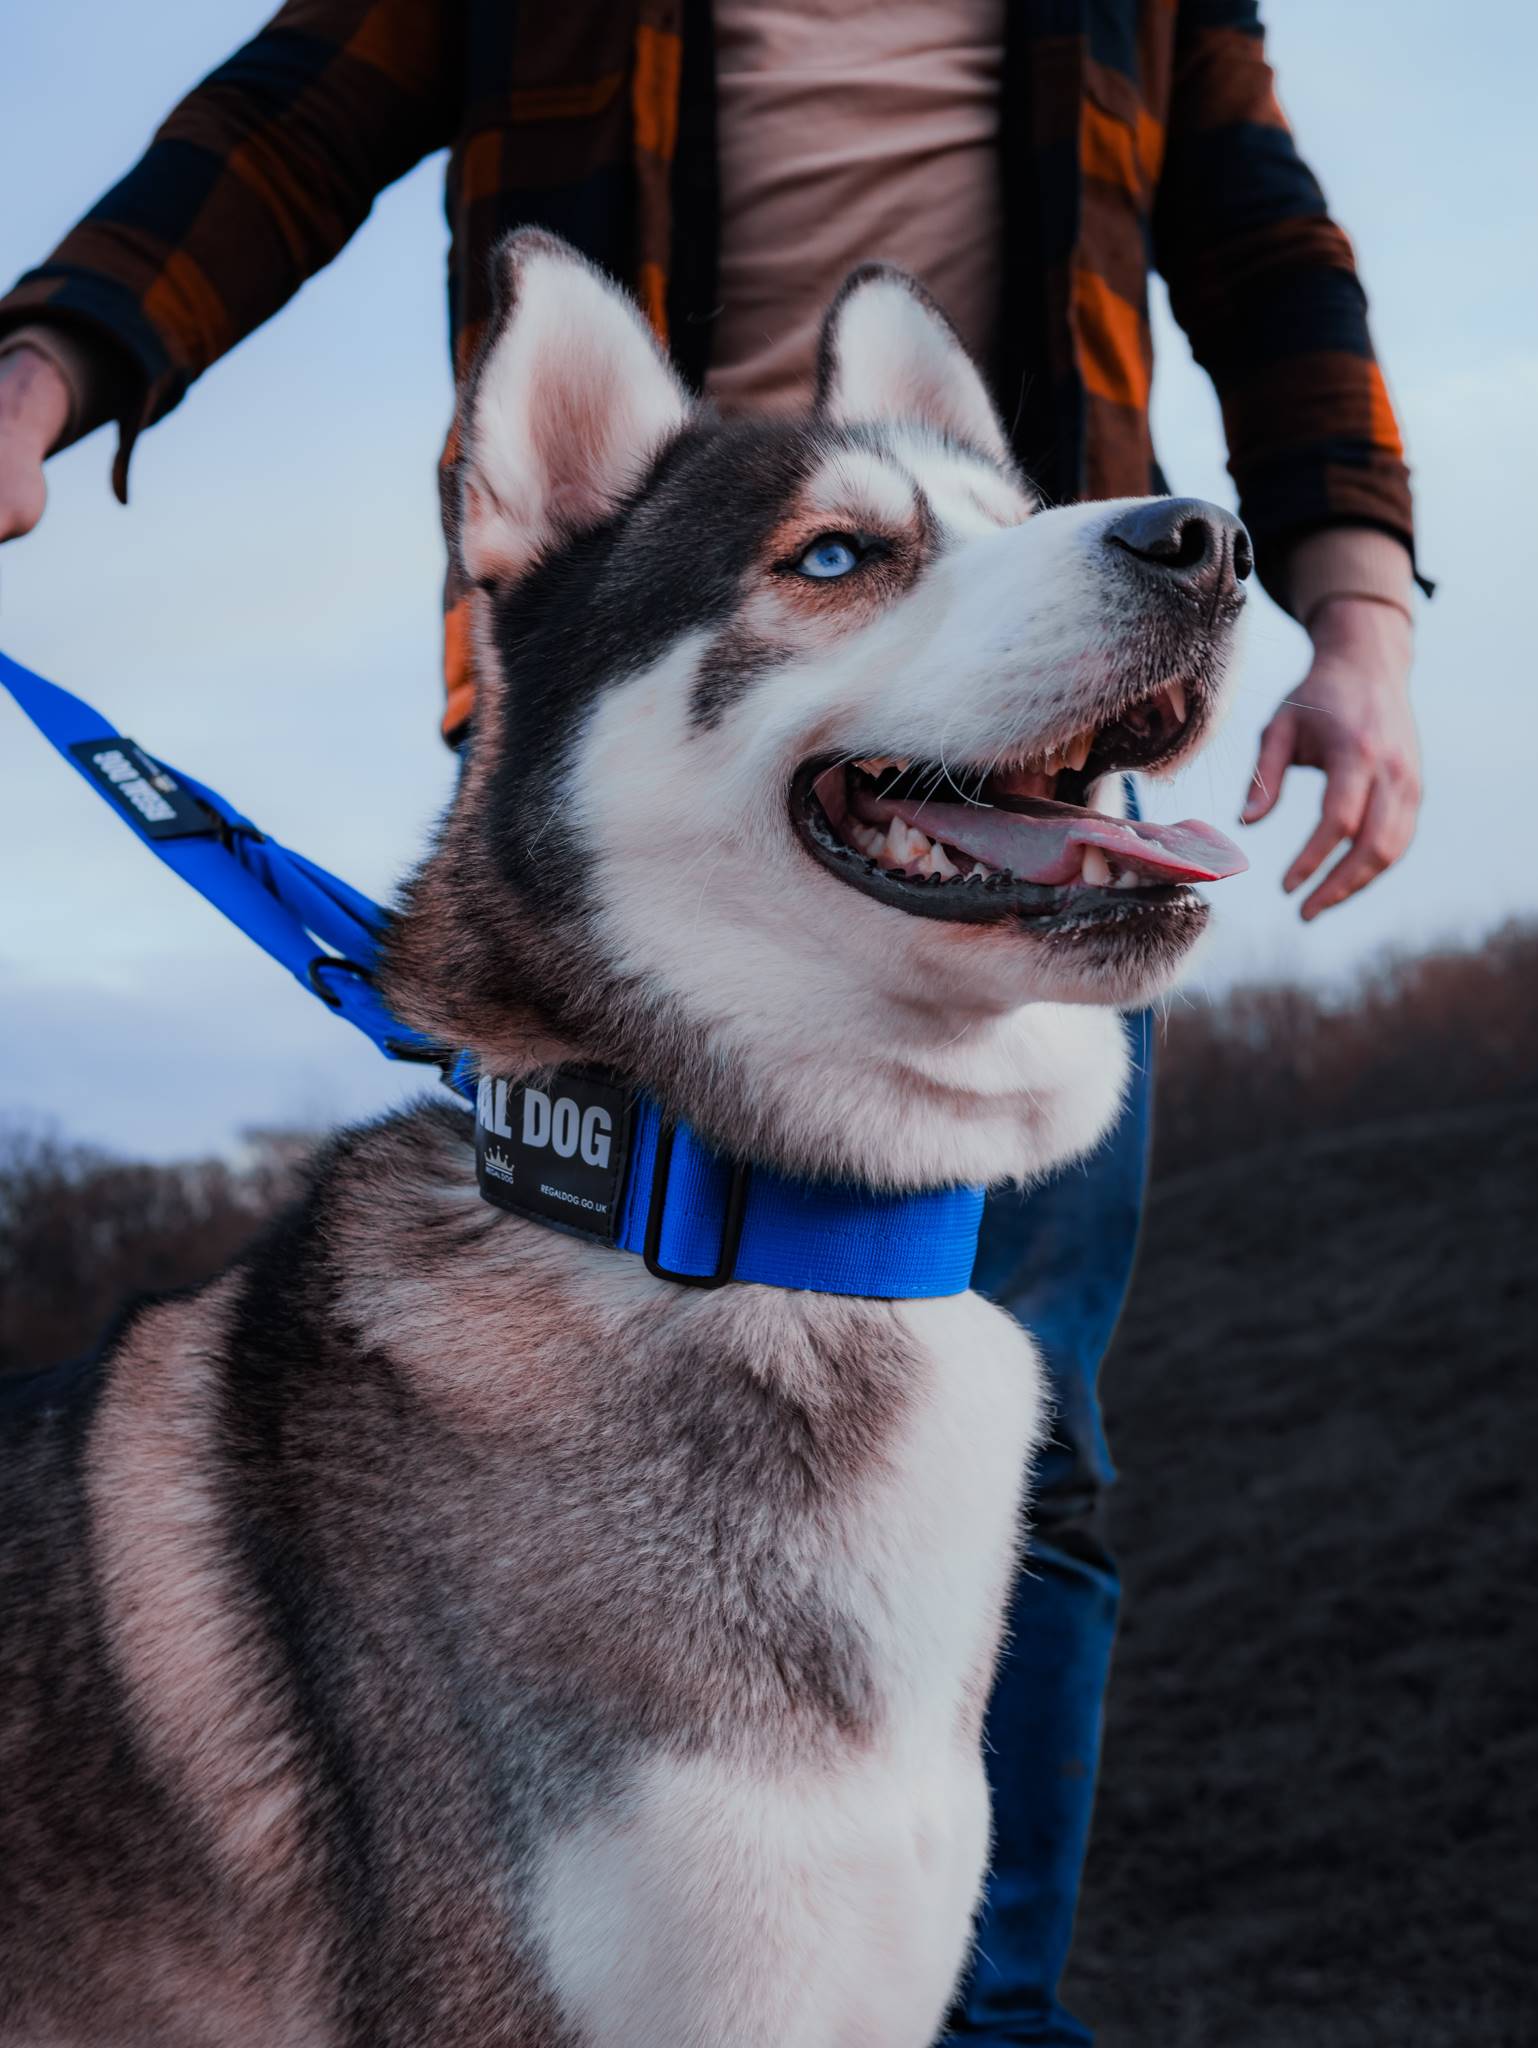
1432,1031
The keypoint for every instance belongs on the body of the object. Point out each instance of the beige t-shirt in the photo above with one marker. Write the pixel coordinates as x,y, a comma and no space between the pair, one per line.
849,131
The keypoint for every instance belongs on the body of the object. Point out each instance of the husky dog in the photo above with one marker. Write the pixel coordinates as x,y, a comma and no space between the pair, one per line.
440,1629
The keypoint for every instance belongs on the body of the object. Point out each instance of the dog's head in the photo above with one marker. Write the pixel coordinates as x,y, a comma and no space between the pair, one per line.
795,790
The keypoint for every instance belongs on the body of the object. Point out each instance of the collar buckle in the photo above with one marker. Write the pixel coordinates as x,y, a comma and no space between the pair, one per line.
731,1224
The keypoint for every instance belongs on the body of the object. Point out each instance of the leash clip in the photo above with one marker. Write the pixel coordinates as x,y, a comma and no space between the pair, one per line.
731,1227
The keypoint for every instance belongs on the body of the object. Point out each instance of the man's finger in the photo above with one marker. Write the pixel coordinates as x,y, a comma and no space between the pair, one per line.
1388,826
1345,804
1276,744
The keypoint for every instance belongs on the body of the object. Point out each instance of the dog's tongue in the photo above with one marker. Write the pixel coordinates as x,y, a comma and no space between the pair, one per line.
1042,841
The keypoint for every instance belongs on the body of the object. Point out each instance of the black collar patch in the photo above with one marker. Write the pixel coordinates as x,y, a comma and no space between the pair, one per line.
556,1153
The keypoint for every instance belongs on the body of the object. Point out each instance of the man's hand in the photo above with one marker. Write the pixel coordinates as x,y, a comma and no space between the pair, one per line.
1351,717
34,410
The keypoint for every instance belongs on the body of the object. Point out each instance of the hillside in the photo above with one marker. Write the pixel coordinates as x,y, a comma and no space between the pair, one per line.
1316,1823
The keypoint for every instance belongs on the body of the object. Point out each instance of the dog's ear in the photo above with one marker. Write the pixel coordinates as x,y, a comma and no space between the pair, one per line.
887,352
568,404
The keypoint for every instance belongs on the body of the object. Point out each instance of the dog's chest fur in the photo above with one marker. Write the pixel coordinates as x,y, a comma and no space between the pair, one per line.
739,1560
812,1876
546,1654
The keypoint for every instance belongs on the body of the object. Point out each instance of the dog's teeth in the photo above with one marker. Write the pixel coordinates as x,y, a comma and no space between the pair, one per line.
1077,751
939,864
1176,694
1126,880
1096,869
901,846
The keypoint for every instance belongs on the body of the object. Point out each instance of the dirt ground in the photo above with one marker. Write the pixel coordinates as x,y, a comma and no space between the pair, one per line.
1316,1827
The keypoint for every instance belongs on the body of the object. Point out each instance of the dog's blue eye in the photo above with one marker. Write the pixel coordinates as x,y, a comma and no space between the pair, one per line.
831,556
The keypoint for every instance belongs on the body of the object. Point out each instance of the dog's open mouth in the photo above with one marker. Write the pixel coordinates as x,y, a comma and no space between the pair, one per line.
1018,840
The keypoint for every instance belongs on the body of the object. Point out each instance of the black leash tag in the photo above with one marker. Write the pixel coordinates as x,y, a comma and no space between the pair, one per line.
555,1152
148,795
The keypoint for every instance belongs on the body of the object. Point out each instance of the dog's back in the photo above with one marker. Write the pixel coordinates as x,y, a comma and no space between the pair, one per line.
394,1621
103,1904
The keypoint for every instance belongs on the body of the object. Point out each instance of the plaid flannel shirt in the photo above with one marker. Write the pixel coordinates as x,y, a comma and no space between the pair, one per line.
1136,134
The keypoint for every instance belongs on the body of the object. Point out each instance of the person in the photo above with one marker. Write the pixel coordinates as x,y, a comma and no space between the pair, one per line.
732,160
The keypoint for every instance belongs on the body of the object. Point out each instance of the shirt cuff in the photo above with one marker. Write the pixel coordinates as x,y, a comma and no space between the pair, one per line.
1347,561
87,378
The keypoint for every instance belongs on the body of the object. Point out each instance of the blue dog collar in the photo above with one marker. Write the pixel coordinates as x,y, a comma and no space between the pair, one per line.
657,1190
583,1152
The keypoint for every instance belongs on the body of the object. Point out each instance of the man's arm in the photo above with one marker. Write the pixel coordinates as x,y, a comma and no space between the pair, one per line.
252,184
1264,283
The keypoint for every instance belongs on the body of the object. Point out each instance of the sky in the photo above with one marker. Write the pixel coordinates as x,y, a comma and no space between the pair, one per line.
265,613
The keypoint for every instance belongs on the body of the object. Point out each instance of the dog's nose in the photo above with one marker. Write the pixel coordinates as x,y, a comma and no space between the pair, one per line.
1200,546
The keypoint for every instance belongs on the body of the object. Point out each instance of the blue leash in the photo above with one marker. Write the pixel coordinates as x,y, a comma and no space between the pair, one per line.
319,927
629,1178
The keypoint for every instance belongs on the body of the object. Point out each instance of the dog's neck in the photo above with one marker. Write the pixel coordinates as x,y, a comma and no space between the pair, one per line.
891,1069
901,1095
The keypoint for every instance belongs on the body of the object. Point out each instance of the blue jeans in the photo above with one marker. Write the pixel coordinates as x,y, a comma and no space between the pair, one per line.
1059,1260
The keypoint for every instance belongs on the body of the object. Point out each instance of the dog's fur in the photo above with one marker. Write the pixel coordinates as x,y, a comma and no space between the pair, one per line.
438,1629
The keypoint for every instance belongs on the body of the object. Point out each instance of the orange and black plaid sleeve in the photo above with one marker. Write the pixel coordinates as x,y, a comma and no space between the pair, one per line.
251,184
1265,285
